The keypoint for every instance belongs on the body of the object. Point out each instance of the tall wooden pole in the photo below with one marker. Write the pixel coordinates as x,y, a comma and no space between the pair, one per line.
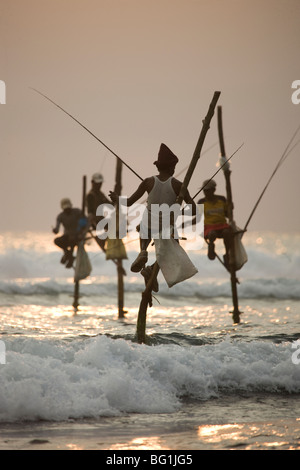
119,262
76,283
147,294
227,173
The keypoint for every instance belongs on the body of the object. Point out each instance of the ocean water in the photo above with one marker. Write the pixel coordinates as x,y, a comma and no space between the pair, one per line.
80,380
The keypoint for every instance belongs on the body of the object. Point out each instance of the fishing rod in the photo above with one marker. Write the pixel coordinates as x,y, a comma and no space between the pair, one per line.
91,133
280,162
226,161
178,174
291,149
219,169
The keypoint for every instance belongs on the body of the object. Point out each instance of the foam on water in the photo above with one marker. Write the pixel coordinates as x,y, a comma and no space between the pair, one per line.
60,367
104,377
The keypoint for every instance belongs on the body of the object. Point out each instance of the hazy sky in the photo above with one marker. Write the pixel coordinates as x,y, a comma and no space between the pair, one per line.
142,72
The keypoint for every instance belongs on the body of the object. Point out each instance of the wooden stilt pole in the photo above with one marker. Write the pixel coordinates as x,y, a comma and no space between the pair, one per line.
147,294
119,262
76,283
236,312
146,300
104,251
121,310
76,297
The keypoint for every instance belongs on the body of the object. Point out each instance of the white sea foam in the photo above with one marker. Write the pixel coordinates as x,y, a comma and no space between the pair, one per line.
105,377
47,377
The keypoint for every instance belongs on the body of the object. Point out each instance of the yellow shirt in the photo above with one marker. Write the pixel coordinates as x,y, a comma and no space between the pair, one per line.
215,211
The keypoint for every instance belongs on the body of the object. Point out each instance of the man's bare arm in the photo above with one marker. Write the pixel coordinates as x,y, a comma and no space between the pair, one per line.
143,187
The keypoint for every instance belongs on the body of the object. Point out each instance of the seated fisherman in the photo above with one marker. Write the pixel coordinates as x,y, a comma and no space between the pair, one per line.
215,219
73,223
95,197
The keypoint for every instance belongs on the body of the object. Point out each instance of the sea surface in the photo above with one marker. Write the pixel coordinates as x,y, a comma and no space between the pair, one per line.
80,380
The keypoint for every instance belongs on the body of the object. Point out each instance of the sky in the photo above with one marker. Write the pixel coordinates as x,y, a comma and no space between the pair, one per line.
138,73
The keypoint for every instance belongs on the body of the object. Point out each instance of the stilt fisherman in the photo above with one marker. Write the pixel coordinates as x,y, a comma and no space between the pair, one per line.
162,189
215,220
74,226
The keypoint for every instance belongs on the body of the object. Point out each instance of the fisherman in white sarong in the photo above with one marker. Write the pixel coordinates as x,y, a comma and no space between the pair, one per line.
162,189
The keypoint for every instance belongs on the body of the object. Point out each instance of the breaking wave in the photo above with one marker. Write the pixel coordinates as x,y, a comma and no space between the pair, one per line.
105,377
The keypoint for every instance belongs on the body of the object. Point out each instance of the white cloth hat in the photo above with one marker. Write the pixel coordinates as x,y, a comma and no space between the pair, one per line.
97,178
65,203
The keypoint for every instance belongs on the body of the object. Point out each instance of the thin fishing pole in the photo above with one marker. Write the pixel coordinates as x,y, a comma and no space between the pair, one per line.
269,181
217,171
280,162
291,140
91,133
178,174
292,148
226,161
129,241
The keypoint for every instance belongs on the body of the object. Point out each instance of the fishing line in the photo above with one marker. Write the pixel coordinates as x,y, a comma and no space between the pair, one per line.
226,161
207,181
292,148
178,174
280,162
91,133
